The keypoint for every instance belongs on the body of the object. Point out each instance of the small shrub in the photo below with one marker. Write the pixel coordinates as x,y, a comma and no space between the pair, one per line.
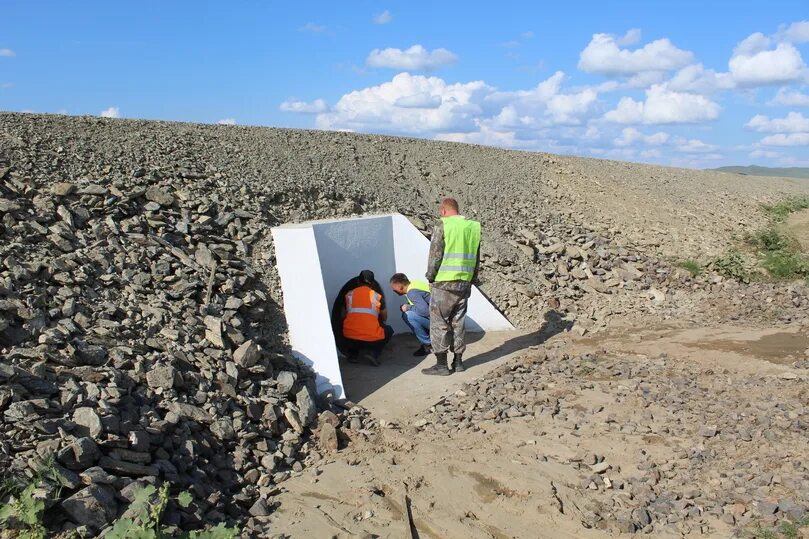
149,504
731,264
24,514
785,265
781,210
772,239
24,511
691,266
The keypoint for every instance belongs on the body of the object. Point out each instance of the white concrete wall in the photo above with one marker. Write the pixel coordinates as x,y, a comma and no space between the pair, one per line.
412,250
307,311
347,247
316,259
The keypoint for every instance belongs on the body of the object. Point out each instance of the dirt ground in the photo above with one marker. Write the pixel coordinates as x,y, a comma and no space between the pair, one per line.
798,226
518,478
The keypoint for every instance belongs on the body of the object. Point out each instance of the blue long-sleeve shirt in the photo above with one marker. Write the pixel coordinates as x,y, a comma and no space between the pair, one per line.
421,302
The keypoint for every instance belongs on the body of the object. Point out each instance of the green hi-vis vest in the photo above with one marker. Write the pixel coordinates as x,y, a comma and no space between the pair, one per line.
424,286
461,243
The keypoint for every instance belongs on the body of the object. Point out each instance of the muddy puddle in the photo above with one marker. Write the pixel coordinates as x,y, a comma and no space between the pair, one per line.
780,348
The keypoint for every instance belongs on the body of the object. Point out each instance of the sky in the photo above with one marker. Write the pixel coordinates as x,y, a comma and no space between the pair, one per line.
685,83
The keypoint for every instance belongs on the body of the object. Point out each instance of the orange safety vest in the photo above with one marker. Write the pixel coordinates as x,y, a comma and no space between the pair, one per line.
362,315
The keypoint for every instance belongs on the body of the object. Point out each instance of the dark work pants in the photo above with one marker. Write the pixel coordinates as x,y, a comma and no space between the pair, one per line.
352,347
447,317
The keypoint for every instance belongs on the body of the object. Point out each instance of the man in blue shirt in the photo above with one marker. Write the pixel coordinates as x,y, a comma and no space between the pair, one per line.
416,312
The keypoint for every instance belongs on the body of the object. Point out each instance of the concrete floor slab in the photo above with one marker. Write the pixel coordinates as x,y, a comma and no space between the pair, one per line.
397,390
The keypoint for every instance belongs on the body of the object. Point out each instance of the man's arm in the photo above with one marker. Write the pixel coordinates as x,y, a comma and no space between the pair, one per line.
383,310
477,267
421,302
436,252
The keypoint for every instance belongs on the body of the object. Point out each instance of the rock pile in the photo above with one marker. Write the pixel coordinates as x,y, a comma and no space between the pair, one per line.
140,326
135,351
721,448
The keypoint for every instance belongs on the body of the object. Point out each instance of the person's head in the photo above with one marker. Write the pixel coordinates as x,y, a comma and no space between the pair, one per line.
399,283
367,277
449,207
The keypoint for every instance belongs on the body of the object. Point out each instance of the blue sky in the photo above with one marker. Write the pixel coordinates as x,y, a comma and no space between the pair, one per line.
686,83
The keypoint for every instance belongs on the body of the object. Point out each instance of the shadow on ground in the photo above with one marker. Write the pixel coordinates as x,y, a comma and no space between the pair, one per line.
361,380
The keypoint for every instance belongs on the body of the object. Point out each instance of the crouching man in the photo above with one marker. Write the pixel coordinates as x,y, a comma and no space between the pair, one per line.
416,312
361,316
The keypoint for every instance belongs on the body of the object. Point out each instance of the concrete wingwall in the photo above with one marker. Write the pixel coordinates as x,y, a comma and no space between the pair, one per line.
305,304
316,259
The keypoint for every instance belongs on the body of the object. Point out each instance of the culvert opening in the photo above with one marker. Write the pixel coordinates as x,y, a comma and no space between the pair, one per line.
316,258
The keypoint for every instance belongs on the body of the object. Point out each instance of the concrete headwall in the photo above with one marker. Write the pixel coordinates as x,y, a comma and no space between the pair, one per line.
316,259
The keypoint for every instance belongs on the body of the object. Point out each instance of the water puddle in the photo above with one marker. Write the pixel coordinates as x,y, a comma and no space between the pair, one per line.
780,348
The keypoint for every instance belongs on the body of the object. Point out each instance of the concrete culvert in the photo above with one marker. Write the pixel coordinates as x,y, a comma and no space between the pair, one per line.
316,258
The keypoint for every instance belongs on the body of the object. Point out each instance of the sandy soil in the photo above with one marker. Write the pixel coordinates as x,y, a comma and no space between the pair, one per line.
514,478
798,226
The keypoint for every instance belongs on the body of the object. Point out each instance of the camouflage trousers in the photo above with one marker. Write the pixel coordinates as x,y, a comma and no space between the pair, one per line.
447,316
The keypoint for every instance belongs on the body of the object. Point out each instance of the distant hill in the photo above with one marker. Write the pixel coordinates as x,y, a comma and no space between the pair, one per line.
754,170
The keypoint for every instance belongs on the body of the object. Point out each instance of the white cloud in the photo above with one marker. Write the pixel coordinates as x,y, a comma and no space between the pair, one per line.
296,105
752,44
7,53
754,64
512,43
657,138
468,112
313,28
393,106
792,139
629,136
764,153
696,79
630,38
794,122
790,98
227,121
112,112
646,79
605,56
6,85
592,133
797,32
419,101
416,58
693,146
663,106
546,105
383,18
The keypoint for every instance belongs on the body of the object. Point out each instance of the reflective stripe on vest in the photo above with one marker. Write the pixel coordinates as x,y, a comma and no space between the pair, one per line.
461,244
424,286
361,323
373,310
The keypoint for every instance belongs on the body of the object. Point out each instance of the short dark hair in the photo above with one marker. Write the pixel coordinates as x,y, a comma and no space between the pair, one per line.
399,278
450,203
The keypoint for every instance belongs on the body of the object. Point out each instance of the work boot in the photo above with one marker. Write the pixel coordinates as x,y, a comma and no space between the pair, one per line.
440,367
457,363
371,358
422,351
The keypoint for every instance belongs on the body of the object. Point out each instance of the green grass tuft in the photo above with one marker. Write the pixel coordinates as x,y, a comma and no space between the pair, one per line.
781,210
785,265
731,264
691,266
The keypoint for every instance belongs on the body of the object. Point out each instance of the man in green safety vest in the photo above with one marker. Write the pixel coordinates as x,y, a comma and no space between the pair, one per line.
451,269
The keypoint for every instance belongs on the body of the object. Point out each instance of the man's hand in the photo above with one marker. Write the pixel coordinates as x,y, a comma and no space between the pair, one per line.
403,307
